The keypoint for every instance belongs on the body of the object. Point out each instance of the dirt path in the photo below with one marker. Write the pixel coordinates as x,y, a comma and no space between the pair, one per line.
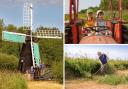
77,84
81,84
44,85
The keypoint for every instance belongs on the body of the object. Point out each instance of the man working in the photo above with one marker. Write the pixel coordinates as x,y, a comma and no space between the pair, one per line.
103,59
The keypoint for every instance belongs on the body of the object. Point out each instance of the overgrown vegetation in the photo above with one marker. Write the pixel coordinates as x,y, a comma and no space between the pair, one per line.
113,79
86,68
57,69
8,62
83,67
12,80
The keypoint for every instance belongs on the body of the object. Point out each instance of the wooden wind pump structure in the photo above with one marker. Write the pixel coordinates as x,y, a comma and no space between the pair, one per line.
29,55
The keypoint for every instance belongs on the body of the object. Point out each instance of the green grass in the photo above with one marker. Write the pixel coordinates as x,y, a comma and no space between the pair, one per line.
9,78
8,62
113,79
57,71
12,80
119,64
84,67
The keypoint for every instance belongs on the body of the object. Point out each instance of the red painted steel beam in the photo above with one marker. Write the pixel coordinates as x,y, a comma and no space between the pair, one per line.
120,9
111,7
70,11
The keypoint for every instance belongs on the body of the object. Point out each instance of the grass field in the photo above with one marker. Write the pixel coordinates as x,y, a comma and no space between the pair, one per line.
44,85
85,68
12,80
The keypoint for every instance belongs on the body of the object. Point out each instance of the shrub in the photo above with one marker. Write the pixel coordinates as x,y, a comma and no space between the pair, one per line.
57,69
9,62
113,79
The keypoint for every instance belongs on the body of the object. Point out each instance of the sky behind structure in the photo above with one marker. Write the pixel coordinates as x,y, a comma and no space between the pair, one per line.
113,51
45,12
83,4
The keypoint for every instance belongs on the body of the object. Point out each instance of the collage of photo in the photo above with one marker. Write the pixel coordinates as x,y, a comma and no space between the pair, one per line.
63,44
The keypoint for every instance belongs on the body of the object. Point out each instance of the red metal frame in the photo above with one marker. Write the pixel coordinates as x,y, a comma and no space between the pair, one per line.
76,30
73,11
73,18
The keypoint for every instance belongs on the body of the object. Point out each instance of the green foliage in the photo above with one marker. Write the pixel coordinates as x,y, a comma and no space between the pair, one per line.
84,67
80,67
93,8
8,62
107,15
11,28
51,50
104,5
12,80
21,30
113,79
57,69
119,64
11,48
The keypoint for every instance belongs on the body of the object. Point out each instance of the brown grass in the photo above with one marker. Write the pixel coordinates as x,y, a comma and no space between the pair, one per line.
77,84
44,85
81,84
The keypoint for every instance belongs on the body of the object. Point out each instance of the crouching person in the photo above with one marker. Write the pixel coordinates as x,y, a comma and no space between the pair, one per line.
104,64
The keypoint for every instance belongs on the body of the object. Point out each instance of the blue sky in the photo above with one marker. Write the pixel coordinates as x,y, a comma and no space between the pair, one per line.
83,4
113,51
46,12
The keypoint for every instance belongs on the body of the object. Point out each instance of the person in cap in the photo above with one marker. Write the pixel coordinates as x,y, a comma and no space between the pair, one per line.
90,21
101,23
104,63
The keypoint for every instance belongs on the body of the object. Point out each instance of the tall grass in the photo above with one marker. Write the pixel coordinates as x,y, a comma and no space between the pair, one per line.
9,62
12,80
119,64
84,67
57,71
113,79
80,67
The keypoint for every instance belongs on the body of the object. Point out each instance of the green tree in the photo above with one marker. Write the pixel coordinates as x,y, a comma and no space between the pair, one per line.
104,5
11,28
21,30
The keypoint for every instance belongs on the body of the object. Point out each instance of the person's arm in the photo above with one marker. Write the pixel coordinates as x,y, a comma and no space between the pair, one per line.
96,24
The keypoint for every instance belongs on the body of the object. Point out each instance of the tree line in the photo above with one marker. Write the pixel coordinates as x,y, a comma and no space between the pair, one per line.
105,5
